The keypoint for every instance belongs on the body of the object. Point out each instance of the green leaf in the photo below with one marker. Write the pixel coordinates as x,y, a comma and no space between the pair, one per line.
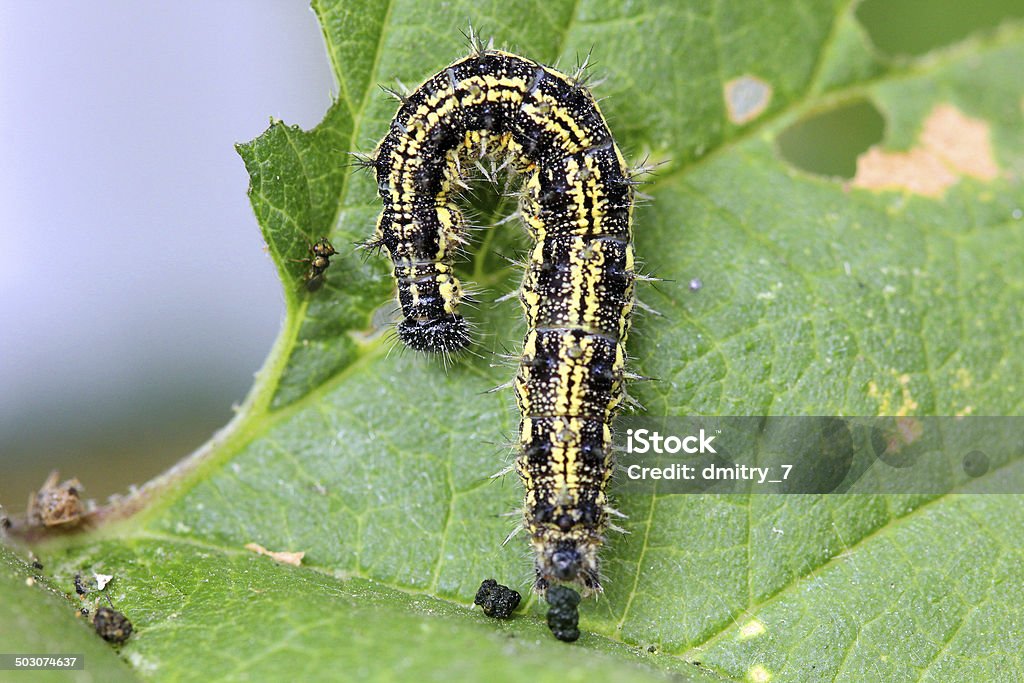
820,296
37,618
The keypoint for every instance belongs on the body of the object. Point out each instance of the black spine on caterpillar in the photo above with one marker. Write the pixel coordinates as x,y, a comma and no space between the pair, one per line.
577,292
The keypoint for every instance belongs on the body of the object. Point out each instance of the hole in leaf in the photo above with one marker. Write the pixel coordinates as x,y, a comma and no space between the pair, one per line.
914,27
828,142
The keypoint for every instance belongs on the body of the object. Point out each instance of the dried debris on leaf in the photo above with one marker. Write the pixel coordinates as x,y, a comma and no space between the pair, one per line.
294,559
497,601
56,504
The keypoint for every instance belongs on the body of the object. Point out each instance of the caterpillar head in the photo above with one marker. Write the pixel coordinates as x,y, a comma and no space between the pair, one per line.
567,557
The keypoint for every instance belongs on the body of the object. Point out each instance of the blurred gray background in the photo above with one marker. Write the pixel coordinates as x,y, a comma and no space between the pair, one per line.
136,301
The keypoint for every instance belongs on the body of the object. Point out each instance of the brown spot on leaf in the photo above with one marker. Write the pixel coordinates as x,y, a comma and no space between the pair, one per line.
746,98
951,145
964,143
918,171
294,559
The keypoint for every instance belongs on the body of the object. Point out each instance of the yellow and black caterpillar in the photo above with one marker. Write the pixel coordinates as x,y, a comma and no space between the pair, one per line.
577,292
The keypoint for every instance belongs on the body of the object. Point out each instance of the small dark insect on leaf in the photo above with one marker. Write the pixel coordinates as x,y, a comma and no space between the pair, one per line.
322,248
315,282
496,600
319,261
80,586
111,625
36,564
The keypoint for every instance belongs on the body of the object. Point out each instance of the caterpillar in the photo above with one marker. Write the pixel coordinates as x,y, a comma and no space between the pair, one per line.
577,291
